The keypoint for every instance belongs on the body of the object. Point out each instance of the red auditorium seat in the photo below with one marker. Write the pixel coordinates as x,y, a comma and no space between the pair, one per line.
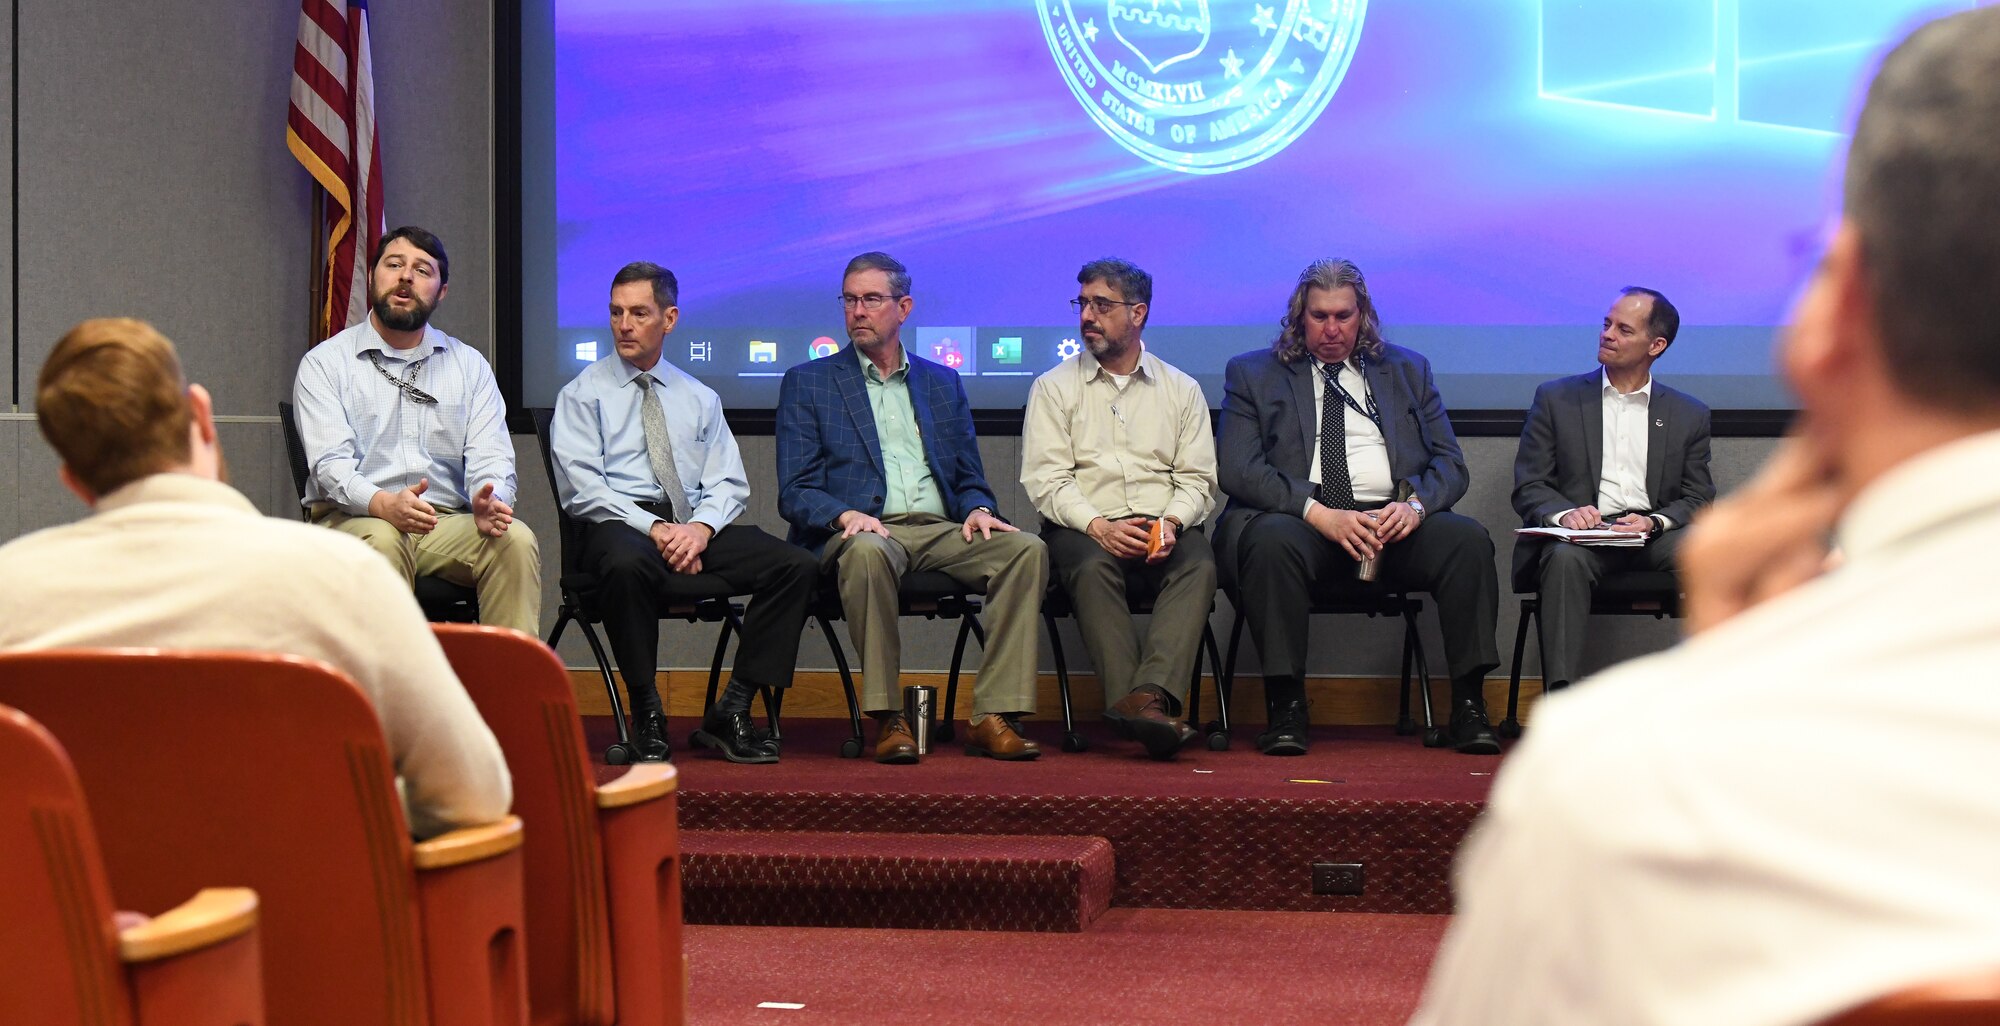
62,959
604,891
1965,1001
270,771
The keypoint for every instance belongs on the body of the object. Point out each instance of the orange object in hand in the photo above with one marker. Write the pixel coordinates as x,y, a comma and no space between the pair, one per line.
1153,539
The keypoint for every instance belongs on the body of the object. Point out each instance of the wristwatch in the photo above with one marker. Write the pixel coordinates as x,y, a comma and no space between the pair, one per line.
1418,505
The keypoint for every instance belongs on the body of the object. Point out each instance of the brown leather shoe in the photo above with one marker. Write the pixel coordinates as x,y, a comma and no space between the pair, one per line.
996,738
896,745
1142,716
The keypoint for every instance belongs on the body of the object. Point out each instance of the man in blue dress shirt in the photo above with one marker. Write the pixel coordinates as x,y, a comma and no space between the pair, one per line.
643,455
406,441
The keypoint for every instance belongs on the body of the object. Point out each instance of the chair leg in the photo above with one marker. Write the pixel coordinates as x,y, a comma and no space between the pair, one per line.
729,623
1072,740
1511,726
774,699
1219,740
1433,734
621,751
1406,726
1227,689
850,748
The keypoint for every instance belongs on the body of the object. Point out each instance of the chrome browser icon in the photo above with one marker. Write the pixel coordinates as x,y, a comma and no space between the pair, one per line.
1203,86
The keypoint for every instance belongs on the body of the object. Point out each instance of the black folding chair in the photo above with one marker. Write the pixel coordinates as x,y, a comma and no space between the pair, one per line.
694,599
1345,598
1654,593
931,594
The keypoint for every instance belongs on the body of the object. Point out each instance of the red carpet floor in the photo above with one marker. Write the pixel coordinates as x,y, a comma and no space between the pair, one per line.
1133,966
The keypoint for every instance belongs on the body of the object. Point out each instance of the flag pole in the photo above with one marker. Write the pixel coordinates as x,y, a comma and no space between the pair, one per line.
316,267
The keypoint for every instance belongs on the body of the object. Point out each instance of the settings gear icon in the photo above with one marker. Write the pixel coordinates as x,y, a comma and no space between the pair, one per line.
1067,349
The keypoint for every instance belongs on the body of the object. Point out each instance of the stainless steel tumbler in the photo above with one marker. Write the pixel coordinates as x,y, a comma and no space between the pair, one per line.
920,709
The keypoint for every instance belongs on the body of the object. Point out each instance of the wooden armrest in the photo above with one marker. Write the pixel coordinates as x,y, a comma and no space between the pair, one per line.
213,915
469,844
644,782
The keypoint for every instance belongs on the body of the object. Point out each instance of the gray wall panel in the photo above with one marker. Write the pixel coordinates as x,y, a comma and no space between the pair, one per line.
10,476
434,90
155,183
247,450
44,501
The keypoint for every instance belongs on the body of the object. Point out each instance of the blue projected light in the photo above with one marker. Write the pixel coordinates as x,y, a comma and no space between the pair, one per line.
1656,55
1778,63
1498,169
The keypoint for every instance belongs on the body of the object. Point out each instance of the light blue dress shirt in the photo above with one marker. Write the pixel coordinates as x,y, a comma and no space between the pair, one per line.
602,472
362,434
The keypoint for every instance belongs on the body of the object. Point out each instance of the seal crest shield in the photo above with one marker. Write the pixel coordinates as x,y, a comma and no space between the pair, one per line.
1203,86
1161,34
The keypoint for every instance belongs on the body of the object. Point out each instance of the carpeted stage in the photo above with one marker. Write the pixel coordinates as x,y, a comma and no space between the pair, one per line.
818,840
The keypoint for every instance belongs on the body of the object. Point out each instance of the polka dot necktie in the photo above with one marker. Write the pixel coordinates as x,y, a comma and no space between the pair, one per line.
1336,486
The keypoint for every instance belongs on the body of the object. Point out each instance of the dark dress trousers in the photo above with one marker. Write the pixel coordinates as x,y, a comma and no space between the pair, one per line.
1558,468
1265,449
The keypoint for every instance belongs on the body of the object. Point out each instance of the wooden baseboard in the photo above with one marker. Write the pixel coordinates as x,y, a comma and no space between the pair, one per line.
1335,700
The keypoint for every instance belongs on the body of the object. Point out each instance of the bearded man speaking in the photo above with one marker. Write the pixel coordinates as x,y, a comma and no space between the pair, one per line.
406,441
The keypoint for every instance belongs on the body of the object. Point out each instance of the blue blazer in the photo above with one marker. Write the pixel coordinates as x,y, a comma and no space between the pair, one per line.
1266,440
830,457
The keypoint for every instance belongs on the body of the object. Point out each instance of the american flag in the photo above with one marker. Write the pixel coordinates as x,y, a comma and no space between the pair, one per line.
330,128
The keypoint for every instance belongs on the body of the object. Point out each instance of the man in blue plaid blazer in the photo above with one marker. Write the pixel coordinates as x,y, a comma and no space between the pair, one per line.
879,473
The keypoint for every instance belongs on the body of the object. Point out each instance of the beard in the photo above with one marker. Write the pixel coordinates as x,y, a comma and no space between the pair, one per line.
416,317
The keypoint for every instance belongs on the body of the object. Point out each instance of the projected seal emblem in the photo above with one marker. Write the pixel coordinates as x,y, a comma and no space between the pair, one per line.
1203,86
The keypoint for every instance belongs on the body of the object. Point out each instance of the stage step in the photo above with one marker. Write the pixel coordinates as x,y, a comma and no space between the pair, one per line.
1048,883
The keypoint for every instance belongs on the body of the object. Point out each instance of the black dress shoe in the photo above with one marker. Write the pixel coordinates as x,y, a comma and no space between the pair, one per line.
1470,733
1287,735
735,737
649,737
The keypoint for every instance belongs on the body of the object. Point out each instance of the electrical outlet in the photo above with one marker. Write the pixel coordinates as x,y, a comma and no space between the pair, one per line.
1337,878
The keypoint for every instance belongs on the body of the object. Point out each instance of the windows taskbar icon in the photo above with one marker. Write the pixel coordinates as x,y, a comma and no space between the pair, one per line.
763,352
1007,349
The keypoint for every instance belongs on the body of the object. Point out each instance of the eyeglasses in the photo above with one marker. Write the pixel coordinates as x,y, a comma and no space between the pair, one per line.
1098,303
871,302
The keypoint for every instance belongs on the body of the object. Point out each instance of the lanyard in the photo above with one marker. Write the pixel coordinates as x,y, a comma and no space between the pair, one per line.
407,384
1332,375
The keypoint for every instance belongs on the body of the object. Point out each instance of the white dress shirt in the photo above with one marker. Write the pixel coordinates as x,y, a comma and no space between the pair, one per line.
1621,481
178,561
363,435
1367,450
1785,816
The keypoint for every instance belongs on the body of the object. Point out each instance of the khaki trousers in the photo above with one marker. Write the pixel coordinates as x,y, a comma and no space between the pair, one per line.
505,572
1010,569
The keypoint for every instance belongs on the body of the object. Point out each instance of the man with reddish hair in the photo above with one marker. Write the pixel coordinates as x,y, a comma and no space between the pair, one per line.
174,558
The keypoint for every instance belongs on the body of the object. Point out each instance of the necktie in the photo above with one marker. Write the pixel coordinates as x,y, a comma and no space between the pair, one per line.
1336,487
660,447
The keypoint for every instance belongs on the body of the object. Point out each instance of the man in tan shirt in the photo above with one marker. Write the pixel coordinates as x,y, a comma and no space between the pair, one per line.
174,558
1117,455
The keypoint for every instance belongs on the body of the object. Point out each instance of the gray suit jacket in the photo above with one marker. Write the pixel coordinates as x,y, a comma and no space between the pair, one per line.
1562,457
1269,419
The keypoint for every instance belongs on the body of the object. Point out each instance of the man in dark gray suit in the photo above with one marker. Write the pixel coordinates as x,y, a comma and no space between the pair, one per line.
1609,449
1334,450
